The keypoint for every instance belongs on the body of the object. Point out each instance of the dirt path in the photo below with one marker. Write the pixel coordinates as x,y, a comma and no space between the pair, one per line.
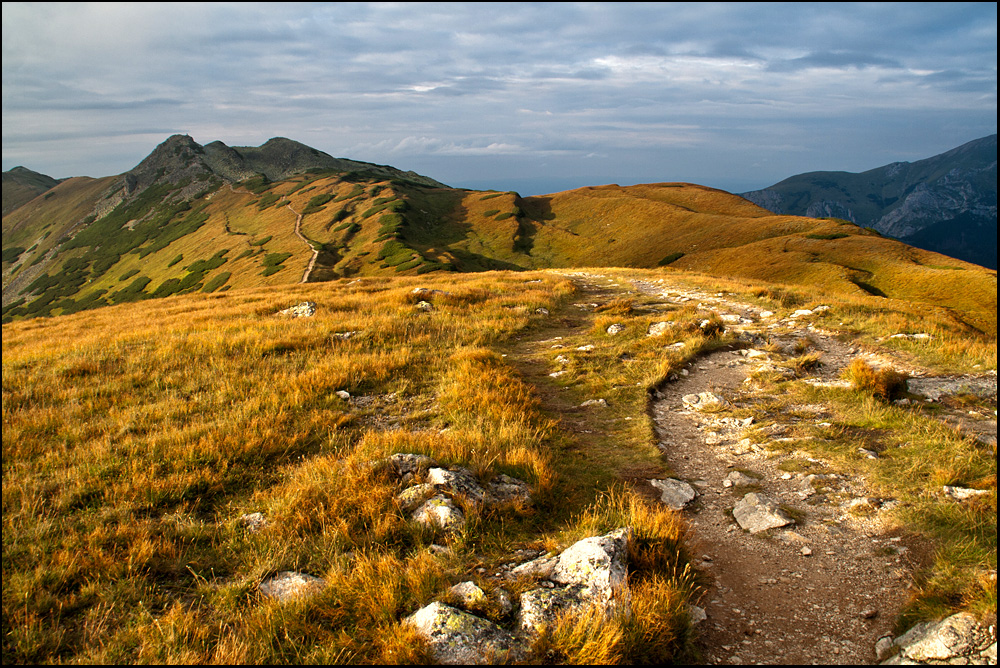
298,233
823,590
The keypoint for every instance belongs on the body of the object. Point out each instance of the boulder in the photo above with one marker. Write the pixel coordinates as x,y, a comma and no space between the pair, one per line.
955,639
757,512
659,328
706,401
289,585
598,565
468,595
675,494
963,493
412,498
542,607
301,310
458,638
458,481
253,522
505,489
616,328
440,512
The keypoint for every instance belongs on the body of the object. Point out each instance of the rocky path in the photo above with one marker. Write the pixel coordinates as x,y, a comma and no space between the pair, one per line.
314,251
827,586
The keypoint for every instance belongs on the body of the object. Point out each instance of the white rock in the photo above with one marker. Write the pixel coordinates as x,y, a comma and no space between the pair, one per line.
800,313
706,401
947,639
616,328
963,493
343,394
288,585
675,494
586,349
458,638
757,512
457,481
440,512
594,402
253,522
766,314
412,498
301,310
598,564
658,329
468,594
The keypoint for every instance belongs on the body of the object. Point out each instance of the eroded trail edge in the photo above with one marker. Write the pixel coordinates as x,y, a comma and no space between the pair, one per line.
827,586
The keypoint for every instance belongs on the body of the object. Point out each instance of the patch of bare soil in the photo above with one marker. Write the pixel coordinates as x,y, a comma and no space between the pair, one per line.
821,591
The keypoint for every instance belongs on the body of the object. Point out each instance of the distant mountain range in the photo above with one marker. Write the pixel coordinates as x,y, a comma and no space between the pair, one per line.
192,218
947,203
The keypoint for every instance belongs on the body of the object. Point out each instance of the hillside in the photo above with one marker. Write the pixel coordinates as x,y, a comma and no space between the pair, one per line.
182,221
946,203
21,185
167,462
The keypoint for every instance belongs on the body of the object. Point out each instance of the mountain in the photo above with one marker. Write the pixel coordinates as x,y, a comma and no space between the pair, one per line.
21,185
190,218
947,203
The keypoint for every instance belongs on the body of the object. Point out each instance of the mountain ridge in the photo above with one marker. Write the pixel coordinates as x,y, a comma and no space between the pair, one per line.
932,203
183,221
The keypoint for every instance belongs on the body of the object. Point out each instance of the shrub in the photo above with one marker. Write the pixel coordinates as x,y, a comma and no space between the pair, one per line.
885,384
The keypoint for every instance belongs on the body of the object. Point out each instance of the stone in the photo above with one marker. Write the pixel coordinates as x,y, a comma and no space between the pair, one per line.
706,401
542,310
598,564
658,328
468,595
758,512
289,585
594,402
963,493
253,522
951,637
801,313
459,481
458,638
301,310
343,394
424,306
412,498
616,328
543,606
883,648
505,489
698,615
586,349
766,314
674,494
536,568
440,512
343,336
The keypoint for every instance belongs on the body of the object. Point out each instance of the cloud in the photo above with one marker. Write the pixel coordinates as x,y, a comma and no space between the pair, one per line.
508,87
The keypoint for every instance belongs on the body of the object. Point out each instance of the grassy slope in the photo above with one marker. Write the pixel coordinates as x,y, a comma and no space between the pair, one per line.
391,228
135,436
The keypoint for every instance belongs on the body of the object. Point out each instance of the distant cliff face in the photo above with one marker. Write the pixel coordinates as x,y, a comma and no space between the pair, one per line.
947,203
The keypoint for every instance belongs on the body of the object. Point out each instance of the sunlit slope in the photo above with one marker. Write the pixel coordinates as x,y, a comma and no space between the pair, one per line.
244,235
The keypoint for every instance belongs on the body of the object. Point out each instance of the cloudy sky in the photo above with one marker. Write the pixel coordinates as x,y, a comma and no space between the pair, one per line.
532,97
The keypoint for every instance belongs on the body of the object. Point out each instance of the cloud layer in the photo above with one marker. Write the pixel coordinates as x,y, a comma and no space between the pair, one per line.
534,96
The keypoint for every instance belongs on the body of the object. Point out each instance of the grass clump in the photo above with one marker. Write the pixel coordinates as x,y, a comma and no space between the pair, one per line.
885,384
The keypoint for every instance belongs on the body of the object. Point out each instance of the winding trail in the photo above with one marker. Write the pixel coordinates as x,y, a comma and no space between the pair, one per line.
823,590
298,233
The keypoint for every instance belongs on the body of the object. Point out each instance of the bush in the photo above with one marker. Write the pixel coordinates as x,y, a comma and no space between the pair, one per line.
885,384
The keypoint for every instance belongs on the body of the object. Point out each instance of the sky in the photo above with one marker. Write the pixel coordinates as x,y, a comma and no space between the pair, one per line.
533,97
